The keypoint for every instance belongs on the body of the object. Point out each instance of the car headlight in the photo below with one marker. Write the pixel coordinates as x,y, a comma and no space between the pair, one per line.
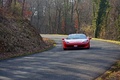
85,41
67,42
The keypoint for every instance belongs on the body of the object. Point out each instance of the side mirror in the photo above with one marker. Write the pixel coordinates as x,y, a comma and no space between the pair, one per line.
90,38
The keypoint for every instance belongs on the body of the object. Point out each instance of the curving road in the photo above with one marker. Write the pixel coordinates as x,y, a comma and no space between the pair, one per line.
57,64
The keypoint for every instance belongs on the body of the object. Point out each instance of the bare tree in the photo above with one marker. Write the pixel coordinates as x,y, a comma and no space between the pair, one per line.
23,7
1,3
14,5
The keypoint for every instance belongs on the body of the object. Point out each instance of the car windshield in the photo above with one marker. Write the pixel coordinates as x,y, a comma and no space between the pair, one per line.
77,36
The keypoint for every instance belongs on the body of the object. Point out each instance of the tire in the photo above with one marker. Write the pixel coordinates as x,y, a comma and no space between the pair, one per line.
64,49
88,48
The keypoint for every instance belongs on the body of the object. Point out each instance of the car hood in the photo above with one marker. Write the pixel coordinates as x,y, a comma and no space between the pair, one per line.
75,40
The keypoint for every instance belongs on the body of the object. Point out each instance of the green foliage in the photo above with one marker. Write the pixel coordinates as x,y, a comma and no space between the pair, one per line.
106,19
103,6
117,24
95,13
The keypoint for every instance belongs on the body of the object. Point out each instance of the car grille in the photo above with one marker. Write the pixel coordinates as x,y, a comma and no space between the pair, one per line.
77,45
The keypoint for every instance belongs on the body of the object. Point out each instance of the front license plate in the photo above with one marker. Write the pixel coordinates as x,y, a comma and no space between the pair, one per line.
75,45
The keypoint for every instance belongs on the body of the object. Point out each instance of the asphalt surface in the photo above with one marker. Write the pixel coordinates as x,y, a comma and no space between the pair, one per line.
57,64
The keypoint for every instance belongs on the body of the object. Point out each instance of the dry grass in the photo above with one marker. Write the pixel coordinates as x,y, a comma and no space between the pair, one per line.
111,41
114,72
49,44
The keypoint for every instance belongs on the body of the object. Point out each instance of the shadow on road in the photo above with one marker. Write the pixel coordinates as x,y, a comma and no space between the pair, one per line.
57,64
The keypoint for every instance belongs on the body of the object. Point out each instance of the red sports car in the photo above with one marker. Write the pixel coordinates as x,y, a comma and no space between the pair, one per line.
76,41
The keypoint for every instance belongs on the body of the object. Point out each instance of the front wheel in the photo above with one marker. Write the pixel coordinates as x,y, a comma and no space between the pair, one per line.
64,48
88,48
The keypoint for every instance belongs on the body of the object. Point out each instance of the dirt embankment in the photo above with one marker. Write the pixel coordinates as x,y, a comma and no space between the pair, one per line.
18,37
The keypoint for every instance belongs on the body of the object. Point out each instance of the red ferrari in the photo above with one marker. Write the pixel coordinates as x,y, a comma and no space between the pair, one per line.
76,41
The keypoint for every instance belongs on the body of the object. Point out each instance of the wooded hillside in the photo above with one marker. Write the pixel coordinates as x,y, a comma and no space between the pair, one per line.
107,19
17,35
96,18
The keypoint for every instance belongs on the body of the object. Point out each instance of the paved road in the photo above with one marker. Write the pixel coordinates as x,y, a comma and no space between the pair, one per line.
57,64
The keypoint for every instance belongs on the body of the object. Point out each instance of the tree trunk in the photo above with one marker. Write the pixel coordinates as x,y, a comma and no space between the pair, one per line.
23,7
14,5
